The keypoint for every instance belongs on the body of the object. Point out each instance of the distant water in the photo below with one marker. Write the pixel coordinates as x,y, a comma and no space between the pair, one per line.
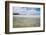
26,21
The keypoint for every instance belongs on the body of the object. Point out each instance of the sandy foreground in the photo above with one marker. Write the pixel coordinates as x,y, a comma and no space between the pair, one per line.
26,21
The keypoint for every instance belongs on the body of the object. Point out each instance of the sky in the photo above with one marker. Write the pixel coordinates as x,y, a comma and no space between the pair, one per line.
26,10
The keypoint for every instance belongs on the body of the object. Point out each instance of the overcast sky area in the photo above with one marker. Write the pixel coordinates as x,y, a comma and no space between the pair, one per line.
26,10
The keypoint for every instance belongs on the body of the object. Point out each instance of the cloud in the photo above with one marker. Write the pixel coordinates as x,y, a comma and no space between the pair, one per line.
26,10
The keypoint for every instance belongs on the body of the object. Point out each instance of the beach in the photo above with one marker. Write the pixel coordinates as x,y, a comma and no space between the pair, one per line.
26,21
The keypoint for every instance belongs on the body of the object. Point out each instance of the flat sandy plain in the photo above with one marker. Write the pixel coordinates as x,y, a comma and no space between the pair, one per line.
26,21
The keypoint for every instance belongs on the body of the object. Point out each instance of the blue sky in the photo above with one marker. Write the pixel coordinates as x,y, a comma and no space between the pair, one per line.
26,10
